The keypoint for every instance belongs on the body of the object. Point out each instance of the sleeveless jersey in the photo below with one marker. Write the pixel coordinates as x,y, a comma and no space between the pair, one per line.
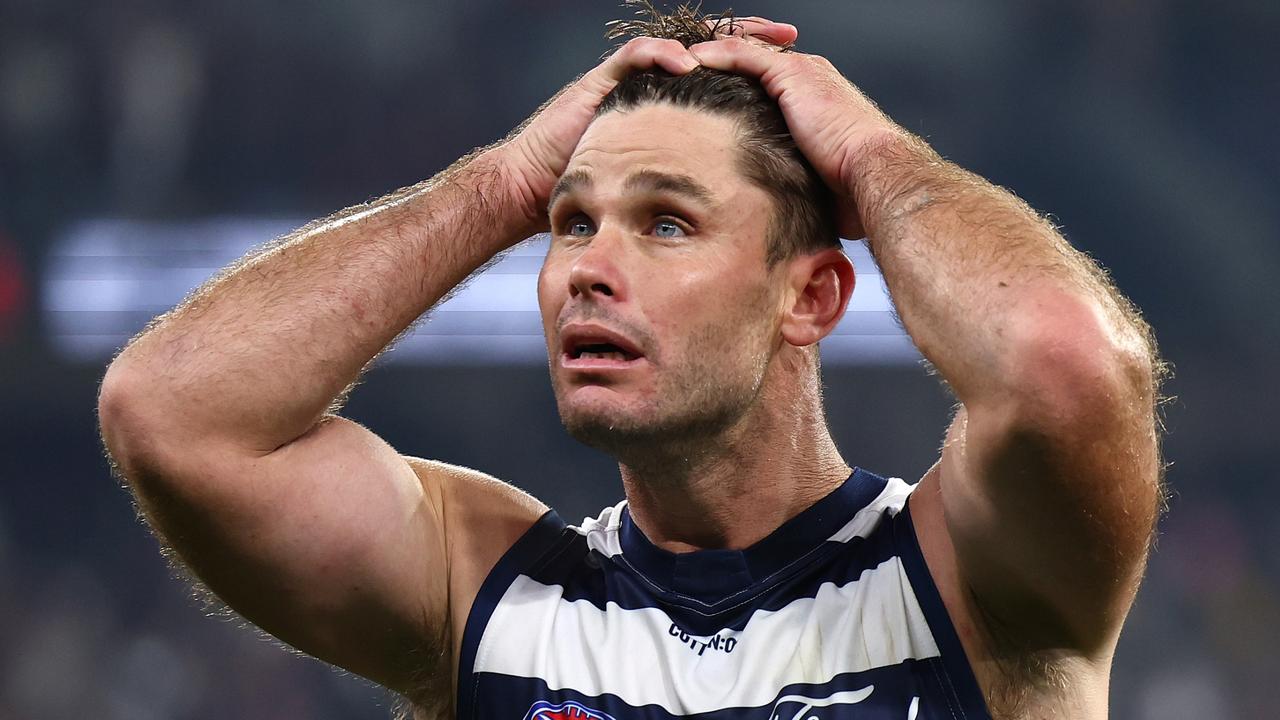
833,615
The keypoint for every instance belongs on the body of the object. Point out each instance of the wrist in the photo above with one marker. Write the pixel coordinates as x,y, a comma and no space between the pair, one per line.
493,191
886,166
864,163
523,210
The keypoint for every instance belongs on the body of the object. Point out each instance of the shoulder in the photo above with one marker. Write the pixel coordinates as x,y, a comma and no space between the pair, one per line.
466,494
482,518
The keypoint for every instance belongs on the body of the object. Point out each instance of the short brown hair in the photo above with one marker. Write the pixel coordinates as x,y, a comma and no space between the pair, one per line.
804,207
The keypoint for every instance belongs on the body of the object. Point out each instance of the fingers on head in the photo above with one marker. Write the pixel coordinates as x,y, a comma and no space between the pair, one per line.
737,55
644,53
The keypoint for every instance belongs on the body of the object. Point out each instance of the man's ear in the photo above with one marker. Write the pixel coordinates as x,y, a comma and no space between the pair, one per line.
820,285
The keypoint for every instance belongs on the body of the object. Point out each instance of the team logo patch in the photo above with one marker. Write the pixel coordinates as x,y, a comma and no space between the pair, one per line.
570,710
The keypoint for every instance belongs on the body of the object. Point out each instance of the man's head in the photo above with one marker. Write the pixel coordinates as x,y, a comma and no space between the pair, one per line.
803,215
693,248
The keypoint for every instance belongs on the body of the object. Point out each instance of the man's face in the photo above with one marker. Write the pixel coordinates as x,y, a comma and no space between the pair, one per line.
659,311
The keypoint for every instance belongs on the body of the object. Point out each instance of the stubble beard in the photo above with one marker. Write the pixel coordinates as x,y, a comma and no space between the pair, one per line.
694,405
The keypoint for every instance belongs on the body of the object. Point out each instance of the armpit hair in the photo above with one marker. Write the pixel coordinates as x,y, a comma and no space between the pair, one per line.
1022,671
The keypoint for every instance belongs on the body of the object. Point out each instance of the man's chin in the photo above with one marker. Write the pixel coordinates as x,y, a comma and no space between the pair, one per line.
628,427
610,430
589,423
629,436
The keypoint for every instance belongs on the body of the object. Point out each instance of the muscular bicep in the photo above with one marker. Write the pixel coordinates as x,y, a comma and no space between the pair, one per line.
1050,515
333,543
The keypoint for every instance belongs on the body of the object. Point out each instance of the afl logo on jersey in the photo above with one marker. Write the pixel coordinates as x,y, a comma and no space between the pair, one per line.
543,710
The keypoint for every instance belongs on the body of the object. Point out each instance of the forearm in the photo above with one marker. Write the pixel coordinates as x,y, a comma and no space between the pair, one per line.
984,285
256,356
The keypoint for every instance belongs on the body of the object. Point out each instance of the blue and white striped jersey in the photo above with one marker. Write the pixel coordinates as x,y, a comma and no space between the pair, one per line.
833,615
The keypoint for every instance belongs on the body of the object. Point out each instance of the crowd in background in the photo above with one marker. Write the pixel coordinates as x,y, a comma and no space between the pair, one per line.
1146,129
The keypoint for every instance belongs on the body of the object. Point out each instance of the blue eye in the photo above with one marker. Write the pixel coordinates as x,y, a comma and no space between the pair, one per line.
667,229
579,228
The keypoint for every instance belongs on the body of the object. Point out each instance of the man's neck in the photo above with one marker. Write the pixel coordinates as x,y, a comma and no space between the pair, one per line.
733,490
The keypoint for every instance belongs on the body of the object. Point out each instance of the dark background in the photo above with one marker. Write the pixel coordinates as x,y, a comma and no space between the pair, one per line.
1147,129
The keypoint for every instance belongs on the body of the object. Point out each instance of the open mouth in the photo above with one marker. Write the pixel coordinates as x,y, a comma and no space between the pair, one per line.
592,346
600,351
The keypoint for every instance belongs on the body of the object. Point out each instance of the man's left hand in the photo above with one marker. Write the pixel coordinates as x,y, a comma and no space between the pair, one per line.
832,121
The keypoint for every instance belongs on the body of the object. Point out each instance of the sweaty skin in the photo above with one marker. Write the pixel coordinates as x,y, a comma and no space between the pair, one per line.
222,415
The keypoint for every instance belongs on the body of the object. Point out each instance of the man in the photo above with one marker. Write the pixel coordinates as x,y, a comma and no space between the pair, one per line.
750,572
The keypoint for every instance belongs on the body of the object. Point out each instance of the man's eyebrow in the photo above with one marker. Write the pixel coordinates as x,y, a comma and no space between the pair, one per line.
569,182
657,181
639,181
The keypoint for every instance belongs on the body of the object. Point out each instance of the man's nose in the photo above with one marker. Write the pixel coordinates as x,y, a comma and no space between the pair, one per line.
595,273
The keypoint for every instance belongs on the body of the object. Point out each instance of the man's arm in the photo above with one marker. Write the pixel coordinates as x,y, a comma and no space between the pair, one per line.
1049,477
220,413
219,417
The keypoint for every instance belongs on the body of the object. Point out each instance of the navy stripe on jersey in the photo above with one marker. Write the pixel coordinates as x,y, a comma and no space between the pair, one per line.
944,633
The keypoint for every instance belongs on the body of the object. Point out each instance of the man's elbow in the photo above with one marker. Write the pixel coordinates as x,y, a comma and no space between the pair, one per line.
1079,364
118,417
129,423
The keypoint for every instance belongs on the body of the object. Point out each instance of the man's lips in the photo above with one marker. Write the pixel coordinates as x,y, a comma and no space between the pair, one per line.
589,346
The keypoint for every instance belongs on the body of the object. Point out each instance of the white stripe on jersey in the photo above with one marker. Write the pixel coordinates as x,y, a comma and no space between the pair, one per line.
535,633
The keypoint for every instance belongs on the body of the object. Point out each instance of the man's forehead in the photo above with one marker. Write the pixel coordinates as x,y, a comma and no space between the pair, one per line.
658,134
656,148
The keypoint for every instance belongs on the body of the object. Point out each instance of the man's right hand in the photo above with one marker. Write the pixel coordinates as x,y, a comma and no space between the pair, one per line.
539,150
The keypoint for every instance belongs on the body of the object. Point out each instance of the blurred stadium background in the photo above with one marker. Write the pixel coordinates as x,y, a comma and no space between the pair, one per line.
144,143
